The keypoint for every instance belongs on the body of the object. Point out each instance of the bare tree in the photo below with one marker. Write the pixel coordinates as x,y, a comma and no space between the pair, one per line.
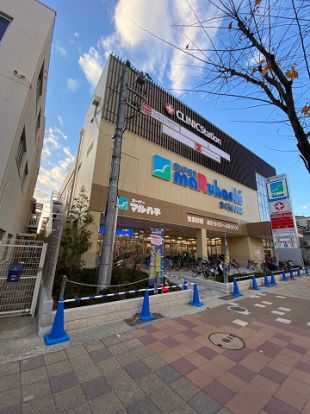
260,53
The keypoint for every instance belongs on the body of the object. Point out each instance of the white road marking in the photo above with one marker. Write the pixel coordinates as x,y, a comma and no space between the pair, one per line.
266,303
261,294
281,297
308,323
286,321
240,322
259,305
278,312
284,309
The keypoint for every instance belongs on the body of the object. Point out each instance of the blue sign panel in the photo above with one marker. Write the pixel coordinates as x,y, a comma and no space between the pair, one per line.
119,232
15,270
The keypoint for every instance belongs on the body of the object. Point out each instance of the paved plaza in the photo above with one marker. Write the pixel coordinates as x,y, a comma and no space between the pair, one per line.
171,366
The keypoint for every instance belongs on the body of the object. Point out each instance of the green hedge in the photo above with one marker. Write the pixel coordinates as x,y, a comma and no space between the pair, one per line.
120,276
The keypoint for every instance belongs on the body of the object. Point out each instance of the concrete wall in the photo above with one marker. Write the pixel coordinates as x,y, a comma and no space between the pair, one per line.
86,316
24,48
244,285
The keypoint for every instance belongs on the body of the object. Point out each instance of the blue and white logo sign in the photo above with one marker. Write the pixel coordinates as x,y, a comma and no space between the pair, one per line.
161,167
123,204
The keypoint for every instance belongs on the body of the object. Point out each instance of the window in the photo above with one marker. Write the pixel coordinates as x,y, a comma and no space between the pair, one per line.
40,83
90,148
25,173
262,198
4,23
38,123
21,150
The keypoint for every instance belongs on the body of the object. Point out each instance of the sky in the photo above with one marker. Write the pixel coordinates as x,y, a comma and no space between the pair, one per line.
84,36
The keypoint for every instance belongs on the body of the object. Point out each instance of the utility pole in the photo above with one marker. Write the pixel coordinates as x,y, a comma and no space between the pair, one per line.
105,266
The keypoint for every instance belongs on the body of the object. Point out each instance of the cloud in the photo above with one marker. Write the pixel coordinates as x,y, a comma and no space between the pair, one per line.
136,20
73,84
61,51
91,64
305,207
67,152
77,35
181,71
60,120
52,172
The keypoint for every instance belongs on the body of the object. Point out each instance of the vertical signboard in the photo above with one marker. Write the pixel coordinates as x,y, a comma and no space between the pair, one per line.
284,231
156,256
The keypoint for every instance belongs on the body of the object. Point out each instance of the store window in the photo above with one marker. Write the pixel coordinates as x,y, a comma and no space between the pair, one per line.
4,24
262,198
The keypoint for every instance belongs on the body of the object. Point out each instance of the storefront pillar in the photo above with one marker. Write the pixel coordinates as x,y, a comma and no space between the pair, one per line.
201,240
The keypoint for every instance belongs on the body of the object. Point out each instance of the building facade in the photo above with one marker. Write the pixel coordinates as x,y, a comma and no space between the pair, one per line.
178,172
303,227
26,30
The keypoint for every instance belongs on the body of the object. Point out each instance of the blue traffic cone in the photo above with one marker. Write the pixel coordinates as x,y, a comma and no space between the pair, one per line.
298,273
284,277
292,275
58,333
145,314
236,291
185,285
254,284
266,281
273,280
196,300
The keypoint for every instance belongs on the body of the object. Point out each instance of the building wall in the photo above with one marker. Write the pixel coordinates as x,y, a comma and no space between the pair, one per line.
26,45
136,177
87,153
245,248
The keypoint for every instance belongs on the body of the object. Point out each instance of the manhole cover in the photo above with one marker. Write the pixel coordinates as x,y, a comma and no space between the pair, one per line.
226,341
239,309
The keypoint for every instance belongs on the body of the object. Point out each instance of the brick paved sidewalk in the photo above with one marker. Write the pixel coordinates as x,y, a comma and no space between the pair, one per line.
170,366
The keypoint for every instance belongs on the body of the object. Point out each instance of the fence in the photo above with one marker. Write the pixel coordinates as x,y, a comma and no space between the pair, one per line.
49,268
20,297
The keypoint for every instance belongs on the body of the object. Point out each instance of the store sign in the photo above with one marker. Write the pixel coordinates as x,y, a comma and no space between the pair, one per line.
186,177
191,122
186,136
119,231
222,225
137,206
195,219
195,125
281,215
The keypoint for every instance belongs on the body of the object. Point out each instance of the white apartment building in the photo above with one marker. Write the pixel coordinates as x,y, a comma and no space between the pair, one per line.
26,30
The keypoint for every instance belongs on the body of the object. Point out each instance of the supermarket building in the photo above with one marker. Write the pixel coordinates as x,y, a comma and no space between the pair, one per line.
178,172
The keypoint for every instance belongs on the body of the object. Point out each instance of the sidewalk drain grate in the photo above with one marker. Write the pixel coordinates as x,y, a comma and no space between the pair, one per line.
226,341
239,309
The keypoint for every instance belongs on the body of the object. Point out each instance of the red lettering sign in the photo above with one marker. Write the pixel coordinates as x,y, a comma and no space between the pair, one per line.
202,183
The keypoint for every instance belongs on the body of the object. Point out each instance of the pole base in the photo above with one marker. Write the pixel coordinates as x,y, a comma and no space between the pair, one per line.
146,317
197,304
49,340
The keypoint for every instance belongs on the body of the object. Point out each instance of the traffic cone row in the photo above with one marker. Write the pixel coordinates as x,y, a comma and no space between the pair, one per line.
58,333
